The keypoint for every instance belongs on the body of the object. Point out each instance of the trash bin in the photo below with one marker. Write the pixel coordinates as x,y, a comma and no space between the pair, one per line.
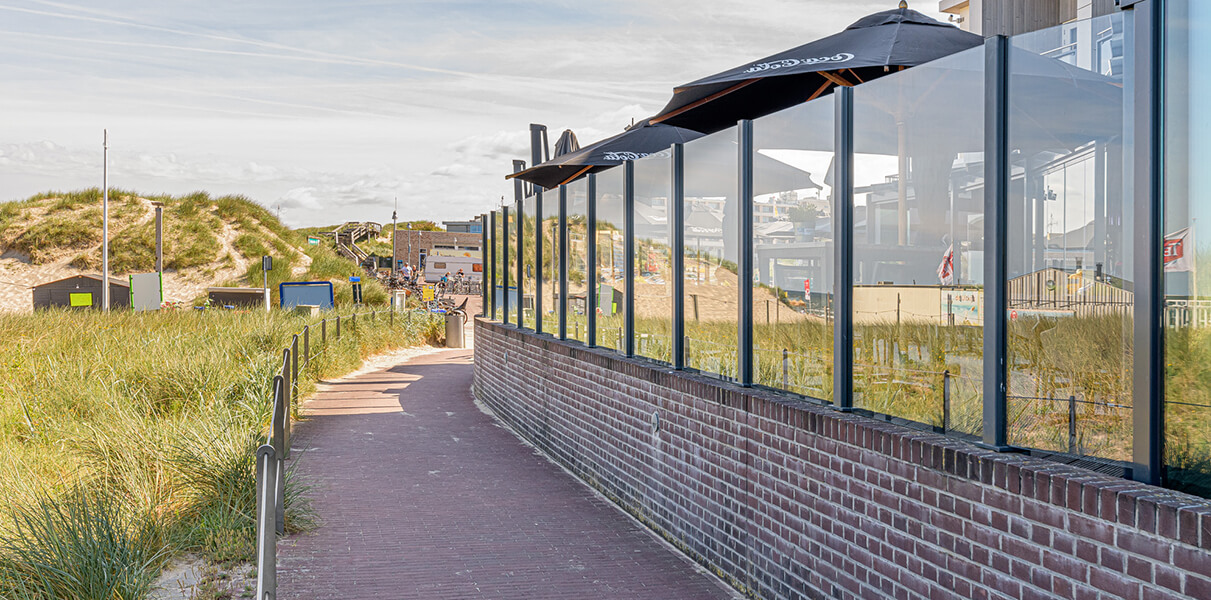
454,330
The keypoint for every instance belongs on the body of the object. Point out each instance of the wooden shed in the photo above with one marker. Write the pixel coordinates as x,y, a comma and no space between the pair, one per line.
81,291
236,296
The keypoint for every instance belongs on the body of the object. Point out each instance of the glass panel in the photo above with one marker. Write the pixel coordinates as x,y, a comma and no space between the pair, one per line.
653,258
610,259
529,251
918,243
497,294
1070,276
1187,298
511,265
793,250
711,253
550,261
578,256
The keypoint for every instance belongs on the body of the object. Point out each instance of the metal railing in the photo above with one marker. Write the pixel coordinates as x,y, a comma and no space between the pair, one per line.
271,456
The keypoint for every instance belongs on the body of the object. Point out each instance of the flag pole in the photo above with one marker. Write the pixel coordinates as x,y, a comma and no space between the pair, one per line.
105,220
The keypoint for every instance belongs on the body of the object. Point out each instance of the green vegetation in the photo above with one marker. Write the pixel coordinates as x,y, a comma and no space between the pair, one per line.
129,438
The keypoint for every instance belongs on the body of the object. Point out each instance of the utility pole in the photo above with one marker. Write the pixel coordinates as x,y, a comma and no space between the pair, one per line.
105,220
394,230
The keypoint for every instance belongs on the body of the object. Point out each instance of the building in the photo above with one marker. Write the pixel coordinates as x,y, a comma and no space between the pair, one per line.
1012,17
472,226
411,245
81,291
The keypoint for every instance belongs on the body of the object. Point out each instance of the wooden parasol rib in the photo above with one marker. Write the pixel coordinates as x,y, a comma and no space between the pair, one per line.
710,98
578,174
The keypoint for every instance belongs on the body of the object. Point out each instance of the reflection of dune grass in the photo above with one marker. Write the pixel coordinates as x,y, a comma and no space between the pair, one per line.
1188,424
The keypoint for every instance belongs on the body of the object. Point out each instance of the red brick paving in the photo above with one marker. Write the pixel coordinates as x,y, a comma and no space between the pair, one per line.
422,495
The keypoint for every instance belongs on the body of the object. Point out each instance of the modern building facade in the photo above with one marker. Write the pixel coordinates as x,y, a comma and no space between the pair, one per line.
1013,17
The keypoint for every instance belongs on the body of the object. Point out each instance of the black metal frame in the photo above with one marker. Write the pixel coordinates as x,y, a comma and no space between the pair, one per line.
843,248
628,235
744,193
537,134
483,286
590,203
1144,22
677,237
492,266
996,213
563,263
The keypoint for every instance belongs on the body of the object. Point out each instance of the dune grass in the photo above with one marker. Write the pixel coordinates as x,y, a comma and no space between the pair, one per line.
129,438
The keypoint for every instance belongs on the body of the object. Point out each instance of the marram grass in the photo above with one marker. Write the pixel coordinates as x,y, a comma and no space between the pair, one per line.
128,438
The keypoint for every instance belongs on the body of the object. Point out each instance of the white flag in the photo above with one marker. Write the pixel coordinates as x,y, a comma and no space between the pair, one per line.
1179,252
946,270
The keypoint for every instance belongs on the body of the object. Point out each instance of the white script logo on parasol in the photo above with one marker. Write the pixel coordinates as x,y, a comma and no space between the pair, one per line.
625,156
787,63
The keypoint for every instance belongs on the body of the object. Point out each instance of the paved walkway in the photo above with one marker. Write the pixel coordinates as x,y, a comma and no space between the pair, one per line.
422,495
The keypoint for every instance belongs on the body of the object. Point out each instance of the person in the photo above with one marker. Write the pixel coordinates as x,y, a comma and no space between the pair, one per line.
445,281
407,272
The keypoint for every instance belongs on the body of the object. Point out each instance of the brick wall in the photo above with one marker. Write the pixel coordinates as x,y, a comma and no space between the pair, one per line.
787,499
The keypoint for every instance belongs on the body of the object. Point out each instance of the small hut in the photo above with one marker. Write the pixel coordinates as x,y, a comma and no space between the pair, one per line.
81,291
236,297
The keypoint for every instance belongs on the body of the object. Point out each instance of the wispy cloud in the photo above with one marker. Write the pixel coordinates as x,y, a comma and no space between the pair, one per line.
333,110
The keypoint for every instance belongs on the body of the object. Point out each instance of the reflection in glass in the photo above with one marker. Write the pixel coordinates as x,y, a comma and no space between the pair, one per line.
610,259
529,250
511,264
548,232
793,250
1069,251
712,254
1187,217
578,255
918,243
653,258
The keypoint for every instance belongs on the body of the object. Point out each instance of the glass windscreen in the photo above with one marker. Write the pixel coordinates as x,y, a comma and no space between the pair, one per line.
510,278
548,235
918,243
1187,302
712,253
575,304
529,250
610,259
653,258
793,249
1069,245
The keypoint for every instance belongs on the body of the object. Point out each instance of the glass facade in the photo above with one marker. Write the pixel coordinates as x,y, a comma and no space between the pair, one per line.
1069,247
529,251
511,265
793,250
1187,221
576,303
918,243
549,238
611,263
712,247
653,258
1071,234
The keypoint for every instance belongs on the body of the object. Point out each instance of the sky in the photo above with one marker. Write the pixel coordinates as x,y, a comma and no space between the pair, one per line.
329,111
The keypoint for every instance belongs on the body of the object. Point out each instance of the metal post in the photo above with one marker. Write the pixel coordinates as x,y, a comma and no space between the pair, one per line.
285,404
338,328
537,148
394,230
1072,425
105,220
786,379
744,316
294,370
323,331
504,263
519,220
491,270
946,400
306,345
677,235
266,556
843,248
996,271
1144,124
628,220
159,238
590,334
483,269
562,230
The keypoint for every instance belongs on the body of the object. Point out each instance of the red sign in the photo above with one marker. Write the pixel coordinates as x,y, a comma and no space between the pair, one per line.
807,287
1013,315
1174,249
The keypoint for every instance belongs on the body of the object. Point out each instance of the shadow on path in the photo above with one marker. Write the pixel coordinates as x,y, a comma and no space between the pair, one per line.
422,495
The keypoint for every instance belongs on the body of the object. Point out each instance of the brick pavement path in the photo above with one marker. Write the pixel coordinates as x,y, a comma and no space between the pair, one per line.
422,495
